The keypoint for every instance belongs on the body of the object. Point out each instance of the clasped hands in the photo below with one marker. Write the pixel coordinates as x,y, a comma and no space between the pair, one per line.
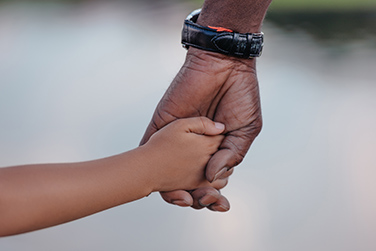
224,89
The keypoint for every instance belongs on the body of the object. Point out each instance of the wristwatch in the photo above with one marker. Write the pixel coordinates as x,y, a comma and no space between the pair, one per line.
221,40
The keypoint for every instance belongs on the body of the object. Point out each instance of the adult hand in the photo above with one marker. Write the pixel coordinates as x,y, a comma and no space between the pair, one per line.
224,89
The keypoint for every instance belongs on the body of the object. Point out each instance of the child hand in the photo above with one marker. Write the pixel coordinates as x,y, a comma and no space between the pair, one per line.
42,195
178,153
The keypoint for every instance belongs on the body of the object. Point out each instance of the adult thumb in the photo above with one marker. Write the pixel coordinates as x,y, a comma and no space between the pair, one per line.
203,125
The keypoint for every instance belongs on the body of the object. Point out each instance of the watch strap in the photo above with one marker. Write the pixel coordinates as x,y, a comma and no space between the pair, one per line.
243,45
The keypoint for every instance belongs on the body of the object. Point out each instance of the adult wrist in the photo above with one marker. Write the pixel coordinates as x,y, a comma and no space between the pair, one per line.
217,68
212,62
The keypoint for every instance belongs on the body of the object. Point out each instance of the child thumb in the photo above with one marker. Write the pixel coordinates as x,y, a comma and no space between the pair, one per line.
203,125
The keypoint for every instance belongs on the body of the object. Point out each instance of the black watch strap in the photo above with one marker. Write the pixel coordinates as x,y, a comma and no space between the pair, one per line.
243,45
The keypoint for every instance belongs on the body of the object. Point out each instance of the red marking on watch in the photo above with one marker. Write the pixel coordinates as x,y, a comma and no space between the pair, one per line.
220,29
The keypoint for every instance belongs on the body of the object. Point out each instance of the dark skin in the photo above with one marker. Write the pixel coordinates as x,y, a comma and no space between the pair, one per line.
221,88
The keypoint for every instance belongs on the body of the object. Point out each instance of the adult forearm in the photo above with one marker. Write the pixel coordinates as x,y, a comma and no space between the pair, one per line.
239,15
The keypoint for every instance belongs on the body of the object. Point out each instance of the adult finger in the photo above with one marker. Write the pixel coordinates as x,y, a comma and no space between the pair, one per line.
179,197
225,175
231,153
184,199
221,205
209,197
150,130
219,183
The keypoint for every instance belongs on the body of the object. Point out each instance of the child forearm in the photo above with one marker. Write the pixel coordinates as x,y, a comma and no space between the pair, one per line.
38,196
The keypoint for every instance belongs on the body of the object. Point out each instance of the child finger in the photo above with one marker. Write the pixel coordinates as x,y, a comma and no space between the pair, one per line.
203,125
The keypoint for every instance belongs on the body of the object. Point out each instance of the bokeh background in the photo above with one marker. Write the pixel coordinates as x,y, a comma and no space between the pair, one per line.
79,80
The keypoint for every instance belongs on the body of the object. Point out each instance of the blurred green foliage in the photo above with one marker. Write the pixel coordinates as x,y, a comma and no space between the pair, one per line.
276,6
322,5
318,5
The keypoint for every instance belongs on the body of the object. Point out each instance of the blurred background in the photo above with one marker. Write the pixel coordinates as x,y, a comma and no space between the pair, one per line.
79,80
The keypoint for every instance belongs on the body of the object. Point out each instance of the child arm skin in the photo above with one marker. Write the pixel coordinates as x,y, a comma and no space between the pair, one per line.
43,195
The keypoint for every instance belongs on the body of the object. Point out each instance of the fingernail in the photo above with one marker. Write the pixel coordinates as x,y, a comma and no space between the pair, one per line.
219,125
182,203
219,173
205,201
222,208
